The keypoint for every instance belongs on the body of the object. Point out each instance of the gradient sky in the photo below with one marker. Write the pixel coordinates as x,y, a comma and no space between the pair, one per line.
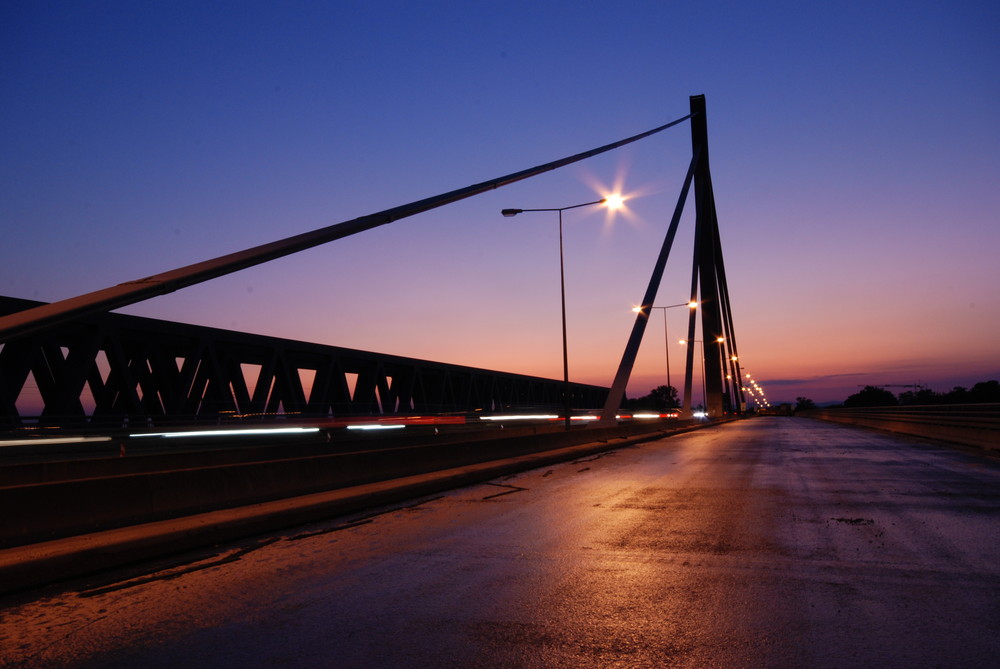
855,159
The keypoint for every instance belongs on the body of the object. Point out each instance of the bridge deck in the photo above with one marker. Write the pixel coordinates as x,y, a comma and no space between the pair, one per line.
767,542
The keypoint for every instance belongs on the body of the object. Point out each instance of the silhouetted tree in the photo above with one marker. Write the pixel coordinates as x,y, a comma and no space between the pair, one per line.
922,396
982,392
665,397
804,404
660,398
985,391
957,395
871,396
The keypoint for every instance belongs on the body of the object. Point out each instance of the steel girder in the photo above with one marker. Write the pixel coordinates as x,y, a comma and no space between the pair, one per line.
111,369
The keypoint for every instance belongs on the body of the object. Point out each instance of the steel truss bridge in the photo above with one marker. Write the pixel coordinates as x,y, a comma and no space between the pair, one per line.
148,372
92,366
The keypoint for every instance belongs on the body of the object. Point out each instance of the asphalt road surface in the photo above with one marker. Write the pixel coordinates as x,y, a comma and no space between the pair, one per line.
771,542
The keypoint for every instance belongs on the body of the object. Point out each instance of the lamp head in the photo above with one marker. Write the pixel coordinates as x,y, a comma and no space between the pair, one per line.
511,212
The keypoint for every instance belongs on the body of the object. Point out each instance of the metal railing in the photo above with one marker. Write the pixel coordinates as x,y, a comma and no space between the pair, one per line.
967,424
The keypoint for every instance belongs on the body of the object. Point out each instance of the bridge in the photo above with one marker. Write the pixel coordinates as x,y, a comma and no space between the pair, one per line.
169,372
582,536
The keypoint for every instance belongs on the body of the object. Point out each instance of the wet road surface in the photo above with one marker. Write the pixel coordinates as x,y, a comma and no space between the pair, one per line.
771,542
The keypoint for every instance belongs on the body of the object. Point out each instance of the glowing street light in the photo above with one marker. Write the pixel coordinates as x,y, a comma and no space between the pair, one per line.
613,202
685,342
644,309
755,392
718,340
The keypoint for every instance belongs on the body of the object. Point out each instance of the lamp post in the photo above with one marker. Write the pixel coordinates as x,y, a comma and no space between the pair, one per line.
562,287
704,390
666,337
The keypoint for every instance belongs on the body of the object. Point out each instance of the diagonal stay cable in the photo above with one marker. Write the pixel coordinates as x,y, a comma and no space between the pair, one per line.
48,315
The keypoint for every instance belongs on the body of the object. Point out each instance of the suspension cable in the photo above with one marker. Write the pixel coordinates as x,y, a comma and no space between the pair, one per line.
131,292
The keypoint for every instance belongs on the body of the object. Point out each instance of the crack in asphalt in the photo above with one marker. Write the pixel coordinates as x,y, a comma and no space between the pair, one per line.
513,489
182,567
363,520
167,574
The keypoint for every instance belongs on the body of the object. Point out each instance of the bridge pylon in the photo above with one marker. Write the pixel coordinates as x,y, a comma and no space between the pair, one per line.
722,376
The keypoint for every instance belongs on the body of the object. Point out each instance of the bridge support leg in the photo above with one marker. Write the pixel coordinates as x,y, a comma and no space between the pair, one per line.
723,386
614,401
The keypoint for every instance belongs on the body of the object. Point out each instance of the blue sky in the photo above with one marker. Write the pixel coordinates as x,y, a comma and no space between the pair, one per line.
855,158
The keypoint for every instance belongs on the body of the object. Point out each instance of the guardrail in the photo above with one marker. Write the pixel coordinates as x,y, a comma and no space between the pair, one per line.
975,425
44,501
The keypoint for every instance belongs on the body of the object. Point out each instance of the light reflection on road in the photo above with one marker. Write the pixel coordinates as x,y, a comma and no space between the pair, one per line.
771,542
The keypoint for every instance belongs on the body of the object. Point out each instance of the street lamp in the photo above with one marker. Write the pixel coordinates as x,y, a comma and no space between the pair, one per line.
704,389
562,286
666,337
756,393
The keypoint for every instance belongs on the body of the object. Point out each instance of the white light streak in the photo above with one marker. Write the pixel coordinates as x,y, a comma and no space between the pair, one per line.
521,417
52,440
229,433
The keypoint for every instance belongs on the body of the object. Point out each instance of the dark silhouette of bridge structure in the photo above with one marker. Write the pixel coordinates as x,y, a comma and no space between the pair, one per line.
149,371
94,367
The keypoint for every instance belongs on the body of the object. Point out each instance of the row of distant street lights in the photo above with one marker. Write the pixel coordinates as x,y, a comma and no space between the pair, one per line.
756,392
613,202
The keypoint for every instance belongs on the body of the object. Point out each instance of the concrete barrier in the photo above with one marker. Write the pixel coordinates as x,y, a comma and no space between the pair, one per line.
43,511
975,425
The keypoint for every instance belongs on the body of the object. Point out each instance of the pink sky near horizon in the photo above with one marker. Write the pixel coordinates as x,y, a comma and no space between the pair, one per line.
855,162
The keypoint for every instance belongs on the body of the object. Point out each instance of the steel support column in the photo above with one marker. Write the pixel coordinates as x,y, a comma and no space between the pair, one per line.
706,235
617,392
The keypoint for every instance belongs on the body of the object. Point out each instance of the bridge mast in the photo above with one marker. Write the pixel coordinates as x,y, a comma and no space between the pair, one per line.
723,385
